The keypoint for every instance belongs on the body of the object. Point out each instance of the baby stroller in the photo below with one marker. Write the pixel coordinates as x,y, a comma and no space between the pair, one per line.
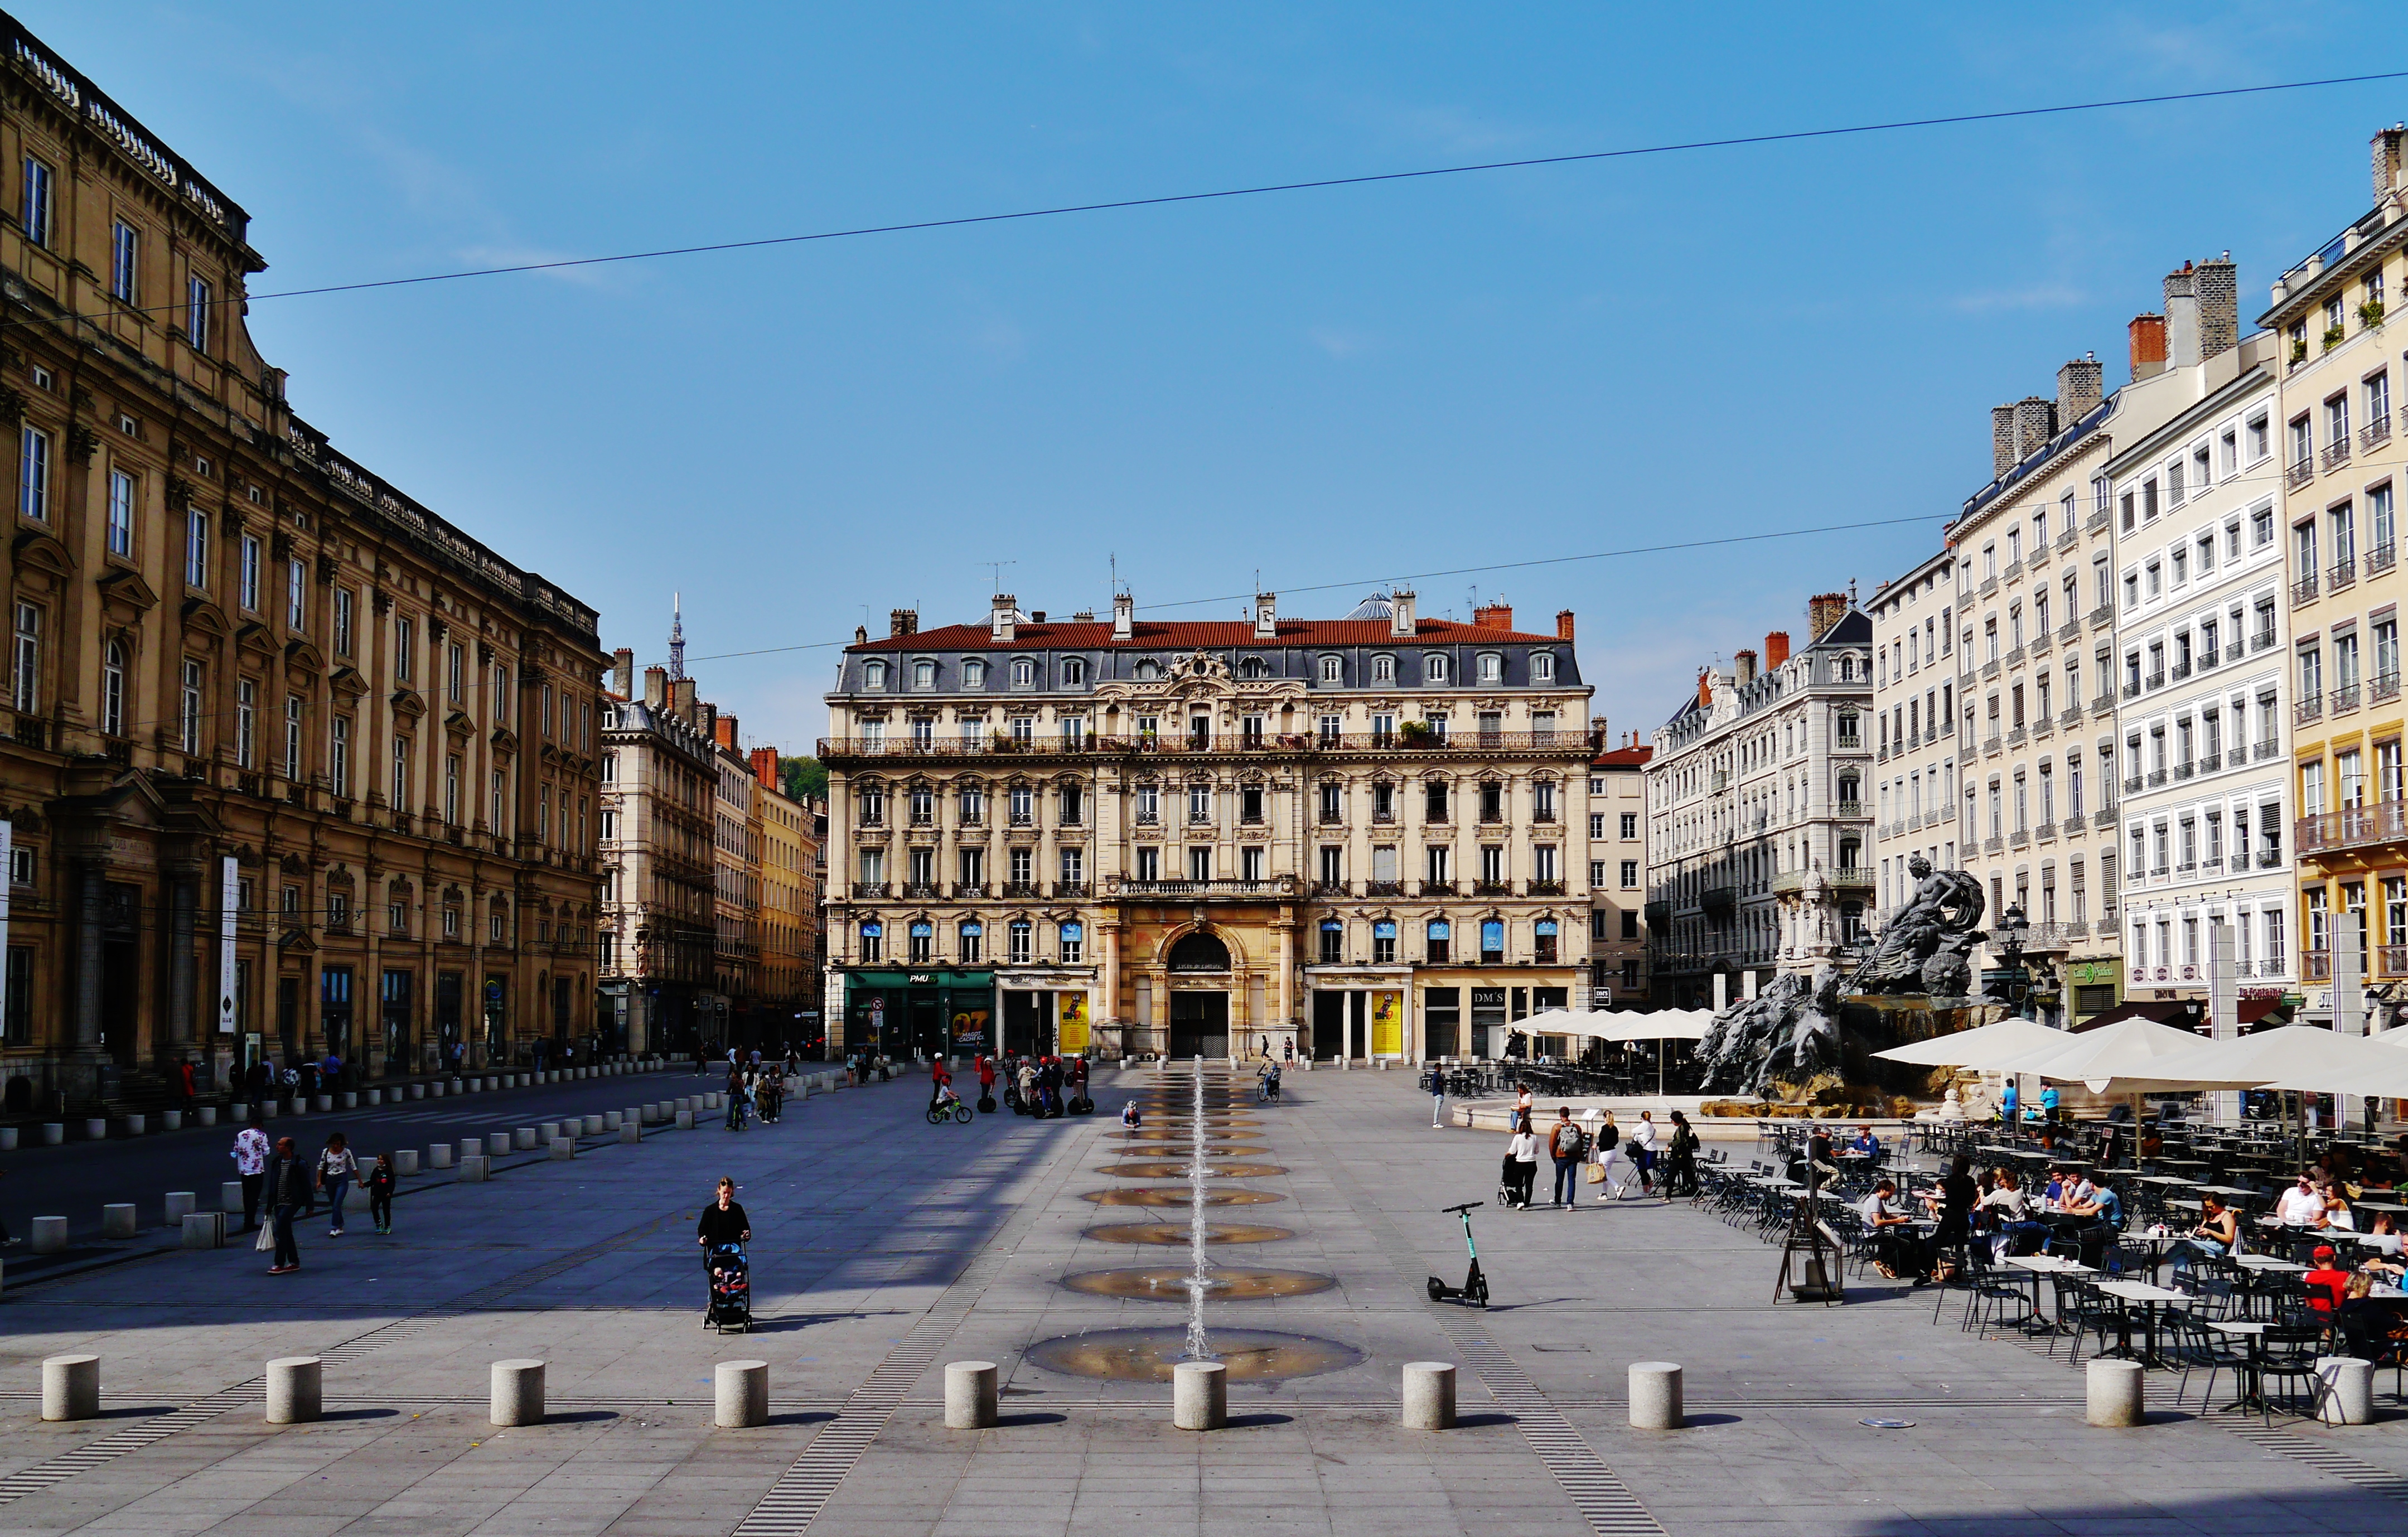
731,1291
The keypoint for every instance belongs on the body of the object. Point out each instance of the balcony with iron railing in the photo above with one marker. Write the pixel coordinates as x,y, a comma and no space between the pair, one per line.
2342,573
2345,698
2068,539
2260,752
1220,890
2336,453
2385,686
2304,590
2382,558
2376,430
2315,966
2299,472
2101,616
2207,658
2351,827
1241,744
2156,680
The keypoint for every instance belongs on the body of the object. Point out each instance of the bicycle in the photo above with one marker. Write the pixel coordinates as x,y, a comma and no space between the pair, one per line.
950,1109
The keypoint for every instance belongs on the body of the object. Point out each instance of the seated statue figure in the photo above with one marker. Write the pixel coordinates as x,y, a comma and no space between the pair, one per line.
1925,947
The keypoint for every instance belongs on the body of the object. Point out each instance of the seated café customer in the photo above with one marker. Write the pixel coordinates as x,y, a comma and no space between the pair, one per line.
2217,1233
2104,1211
1866,1143
1891,1227
2335,1208
2300,1206
2152,1141
2326,1282
2010,1213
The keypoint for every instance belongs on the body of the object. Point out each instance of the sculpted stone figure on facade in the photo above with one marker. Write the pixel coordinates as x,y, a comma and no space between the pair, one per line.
1925,947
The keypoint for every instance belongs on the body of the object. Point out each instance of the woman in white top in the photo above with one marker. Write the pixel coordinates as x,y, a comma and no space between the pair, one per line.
1522,1162
336,1170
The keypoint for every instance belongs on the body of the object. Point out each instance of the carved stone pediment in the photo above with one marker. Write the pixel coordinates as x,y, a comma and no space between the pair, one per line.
347,682
407,706
123,587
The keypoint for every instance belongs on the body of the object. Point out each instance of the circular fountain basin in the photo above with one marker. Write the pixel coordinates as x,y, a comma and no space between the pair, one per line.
1172,1170
1183,1153
1148,1355
1179,1234
1183,1132
1170,1284
1179,1194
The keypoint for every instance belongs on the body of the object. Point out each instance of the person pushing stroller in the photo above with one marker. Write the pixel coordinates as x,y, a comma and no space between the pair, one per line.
723,1226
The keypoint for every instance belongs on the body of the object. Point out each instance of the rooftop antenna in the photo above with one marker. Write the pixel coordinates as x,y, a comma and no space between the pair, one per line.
1113,557
997,566
676,636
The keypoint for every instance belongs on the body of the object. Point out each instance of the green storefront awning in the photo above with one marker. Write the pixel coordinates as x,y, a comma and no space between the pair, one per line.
934,977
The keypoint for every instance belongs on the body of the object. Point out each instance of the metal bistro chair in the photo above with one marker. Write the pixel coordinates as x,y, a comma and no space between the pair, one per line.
1996,1292
2186,1340
2288,1353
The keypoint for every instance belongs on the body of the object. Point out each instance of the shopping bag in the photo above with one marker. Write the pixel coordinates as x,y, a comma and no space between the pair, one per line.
266,1244
1594,1174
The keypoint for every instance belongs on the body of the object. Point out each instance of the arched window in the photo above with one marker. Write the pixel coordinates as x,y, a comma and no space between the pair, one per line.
924,674
1542,667
973,935
1074,672
1333,670
1199,952
1434,667
1253,667
1333,941
1148,669
113,690
1492,668
974,674
1439,938
1074,940
873,676
1384,668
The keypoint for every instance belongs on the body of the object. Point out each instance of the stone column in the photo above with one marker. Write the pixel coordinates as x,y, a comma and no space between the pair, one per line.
183,900
89,880
1111,1012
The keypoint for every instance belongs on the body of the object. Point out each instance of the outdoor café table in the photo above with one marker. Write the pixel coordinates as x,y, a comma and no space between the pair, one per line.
2235,1191
2156,1243
2182,1163
2395,1208
2172,1182
2185,1205
2148,1297
2270,1262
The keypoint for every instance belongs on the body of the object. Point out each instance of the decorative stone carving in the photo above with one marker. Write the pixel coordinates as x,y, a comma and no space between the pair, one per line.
1926,947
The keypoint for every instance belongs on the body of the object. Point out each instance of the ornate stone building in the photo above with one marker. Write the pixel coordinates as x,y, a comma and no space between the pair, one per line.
1189,837
659,773
1617,872
290,764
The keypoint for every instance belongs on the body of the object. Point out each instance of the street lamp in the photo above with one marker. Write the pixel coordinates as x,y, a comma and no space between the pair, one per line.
2009,932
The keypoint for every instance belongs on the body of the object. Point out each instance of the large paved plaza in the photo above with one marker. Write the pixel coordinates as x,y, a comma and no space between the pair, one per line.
885,1247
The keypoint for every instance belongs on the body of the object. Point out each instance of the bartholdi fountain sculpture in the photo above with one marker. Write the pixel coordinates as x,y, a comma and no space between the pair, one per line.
1790,1033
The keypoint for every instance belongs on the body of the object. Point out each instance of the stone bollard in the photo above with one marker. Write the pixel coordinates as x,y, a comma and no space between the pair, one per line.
2348,1396
204,1229
418,1091
518,1393
439,1155
230,1196
648,1114
593,1126
742,1390
685,1120
630,1133
348,1099
171,1120
497,1142
372,1097
969,1395
207,1115
136,1125
687,1104
181,1204
71,1387
117,1219
472,1147
405,1161
1656,1396
293,1389
474,1169
563,1148
2114,1393
322,1101
97,1130
610,1119
524,1139
1199,1394
54,1133
435,1089
1430,1396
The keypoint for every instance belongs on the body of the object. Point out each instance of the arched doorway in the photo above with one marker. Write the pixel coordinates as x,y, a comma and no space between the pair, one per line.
1200,1016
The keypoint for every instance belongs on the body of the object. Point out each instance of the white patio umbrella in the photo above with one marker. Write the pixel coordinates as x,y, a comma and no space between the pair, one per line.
1661,1025
1966,1048
2099,1059
2294,1056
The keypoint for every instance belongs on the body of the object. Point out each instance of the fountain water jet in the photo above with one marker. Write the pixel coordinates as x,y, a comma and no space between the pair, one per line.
1199,1345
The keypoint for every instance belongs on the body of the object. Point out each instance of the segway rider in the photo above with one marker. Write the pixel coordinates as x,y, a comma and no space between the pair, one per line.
986,1081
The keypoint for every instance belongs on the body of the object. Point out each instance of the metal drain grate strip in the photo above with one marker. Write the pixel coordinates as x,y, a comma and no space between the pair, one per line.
42,1476
1595,1489
2341,1465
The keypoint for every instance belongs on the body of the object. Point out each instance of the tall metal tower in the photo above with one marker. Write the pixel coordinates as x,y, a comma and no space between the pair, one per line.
676,636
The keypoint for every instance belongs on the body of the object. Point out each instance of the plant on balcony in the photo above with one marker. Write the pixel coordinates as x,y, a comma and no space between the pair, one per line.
1415,733
2299,349
2371,312
2332,338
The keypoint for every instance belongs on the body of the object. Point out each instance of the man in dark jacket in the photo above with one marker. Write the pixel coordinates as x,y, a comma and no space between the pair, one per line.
288,1192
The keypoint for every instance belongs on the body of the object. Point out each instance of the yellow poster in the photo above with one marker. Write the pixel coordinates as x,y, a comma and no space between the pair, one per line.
1071,1023
1388,1024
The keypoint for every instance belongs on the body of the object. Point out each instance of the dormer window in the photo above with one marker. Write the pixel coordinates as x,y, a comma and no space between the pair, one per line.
1074,672
1333,670
1148,669
974,674
1253,667
1434,667
1492,668
924,674
1542,667
873,677
1024,672
1384,668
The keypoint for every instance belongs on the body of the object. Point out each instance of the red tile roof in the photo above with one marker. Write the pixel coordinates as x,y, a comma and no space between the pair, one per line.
1095,636
1624,758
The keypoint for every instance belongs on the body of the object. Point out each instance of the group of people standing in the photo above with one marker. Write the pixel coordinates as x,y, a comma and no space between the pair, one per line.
1593,1149
289,1185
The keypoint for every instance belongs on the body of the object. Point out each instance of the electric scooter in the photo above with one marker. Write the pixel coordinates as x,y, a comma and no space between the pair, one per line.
1473,1293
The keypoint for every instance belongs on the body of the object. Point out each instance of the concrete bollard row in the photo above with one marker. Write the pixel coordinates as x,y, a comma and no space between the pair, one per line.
630,1133
439,1155
204,1229
593,1126
117,1220
969,1395
562,1149
472,1147
610,1119
71,1387
405,1161
181,1204
741,1391
517,1393
685,1120
1656,1396
295,1389
230,1196
2112,1393
1430,1396
474,1169
524,1139
497,1144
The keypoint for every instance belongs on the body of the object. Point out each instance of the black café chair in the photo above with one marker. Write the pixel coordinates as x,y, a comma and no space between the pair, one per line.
2288,1353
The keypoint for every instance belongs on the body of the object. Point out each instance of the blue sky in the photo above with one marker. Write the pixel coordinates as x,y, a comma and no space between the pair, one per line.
1325,387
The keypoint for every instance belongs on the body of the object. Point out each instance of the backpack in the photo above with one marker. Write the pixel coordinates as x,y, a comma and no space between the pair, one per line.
1569,1141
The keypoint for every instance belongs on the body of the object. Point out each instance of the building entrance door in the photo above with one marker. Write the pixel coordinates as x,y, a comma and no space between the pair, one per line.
1199,1024
927,1023
1328,1024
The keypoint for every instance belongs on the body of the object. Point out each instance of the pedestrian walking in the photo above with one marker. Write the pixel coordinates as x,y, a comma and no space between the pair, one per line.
184,1083
288,1193
380,1182
249,1154
1435,1081
1681,1159
1642,1150
1566,1144
336,1170
1521,1163
723,1222
1607,1150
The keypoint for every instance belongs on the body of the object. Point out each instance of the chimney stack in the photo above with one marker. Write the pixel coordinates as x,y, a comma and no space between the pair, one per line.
1401,624
1822,610
2035,424
2218,286
2081,385
2389,183
706,721
1124,616
623,672
1705,688
1745,667
1563,624
860,634
1492,616
723,731
902,621
2148,338
1003,618
681,699
656,686
2003,440
1776,649
1266,616
765,766
2181,318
